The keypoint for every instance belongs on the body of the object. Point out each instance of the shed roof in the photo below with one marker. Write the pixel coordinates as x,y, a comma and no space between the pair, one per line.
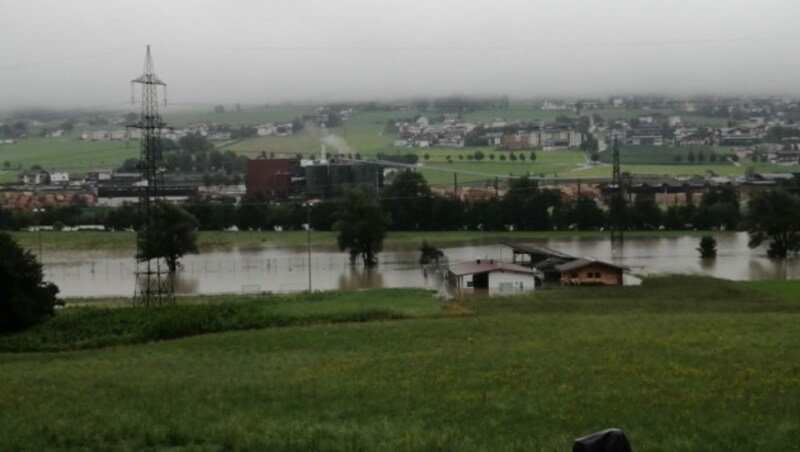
488,266
537,250
584,262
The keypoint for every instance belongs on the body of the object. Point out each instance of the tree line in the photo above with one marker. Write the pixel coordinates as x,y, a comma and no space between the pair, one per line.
408,204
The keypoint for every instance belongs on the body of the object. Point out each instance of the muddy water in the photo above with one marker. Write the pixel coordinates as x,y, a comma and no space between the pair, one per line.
285,269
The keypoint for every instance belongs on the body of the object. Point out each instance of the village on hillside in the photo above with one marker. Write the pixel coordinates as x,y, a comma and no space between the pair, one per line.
698,131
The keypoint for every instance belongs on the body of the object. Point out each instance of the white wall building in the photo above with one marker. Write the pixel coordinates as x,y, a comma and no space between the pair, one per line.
497,278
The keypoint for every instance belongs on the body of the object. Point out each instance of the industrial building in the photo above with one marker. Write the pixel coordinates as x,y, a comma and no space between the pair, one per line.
273,178
283,178
326,180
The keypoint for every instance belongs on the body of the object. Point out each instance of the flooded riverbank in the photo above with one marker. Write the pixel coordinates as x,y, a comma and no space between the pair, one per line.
276,268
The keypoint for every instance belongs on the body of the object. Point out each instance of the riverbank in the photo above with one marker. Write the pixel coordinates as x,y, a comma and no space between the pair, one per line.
126,240
679,363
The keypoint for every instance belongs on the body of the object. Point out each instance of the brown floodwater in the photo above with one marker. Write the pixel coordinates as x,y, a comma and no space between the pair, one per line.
270,268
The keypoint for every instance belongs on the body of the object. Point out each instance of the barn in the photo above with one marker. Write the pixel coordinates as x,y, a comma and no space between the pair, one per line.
497,278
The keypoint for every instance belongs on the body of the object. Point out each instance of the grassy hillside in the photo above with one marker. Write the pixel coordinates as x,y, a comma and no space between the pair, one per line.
248,115
65,154
363,134
680,363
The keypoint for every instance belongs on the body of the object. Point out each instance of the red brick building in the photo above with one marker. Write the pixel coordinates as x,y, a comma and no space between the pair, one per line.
271,177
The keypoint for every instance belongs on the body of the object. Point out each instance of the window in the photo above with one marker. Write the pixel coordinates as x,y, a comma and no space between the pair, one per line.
574,274
589,275
597,274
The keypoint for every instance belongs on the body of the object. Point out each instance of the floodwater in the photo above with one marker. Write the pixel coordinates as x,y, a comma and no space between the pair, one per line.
285,269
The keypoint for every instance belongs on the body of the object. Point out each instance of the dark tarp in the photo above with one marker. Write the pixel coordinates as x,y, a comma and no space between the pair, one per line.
611,440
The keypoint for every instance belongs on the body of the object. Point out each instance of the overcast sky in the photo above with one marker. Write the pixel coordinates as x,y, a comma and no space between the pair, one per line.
84,52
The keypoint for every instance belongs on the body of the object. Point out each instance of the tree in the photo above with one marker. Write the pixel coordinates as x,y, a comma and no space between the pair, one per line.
173,234
533,156
584,123
429,254
708,247
298,124
26,299
589,143
774,215
479,155
361,225
407,201
527,207
719,208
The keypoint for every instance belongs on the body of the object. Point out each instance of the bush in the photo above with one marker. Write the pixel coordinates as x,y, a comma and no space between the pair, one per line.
26,300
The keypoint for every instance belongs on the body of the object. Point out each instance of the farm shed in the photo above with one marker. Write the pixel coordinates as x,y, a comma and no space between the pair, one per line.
541,258
497,278
590,272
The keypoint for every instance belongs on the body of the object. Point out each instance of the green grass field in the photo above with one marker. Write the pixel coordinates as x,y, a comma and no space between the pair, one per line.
363,134
680,363
68,154
249,115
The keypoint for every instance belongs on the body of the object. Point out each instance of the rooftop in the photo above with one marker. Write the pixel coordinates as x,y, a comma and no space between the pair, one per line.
583,262
489,265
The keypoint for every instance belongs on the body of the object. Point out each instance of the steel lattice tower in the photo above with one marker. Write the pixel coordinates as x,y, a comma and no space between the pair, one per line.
154,283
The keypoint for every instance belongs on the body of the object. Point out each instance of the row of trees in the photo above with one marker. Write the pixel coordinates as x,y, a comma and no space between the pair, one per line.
410,205
193,153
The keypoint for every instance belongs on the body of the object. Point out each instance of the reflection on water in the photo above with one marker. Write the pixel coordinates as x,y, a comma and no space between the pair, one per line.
285,269
360,278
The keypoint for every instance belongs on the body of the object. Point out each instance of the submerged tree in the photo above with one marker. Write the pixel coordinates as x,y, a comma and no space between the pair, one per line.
174,233
361,225
429,254
774,216
708,247
25,299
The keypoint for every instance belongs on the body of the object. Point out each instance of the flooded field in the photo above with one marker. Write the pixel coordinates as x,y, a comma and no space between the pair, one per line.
286,269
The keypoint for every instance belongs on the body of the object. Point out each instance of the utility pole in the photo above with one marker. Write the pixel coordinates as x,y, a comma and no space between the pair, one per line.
617,199
154,284
308,228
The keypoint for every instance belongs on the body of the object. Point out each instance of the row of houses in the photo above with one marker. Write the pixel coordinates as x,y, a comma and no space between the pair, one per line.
422,133
549,137
45,177
113,135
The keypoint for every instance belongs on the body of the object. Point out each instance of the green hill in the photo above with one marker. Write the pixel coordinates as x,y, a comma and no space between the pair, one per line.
679,363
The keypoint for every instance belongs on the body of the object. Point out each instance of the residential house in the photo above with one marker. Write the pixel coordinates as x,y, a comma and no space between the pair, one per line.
581,272
450,118
266,130
97,175
646,136
34,177
59,177
515,141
